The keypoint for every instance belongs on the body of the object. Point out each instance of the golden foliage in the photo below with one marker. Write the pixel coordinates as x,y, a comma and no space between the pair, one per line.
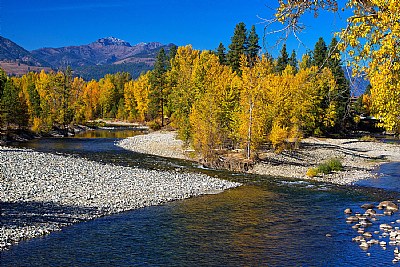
372,39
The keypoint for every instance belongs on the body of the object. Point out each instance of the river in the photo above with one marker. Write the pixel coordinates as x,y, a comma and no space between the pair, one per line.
266,222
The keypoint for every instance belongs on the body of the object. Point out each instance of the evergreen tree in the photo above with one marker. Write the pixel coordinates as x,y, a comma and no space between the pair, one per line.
292,61
238,47
343,97
253,46
157,84
34,98
221,54
3,79
283,60
171,54
13,110
320,54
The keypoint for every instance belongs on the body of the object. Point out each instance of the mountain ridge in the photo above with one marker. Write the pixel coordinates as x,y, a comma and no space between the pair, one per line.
86,60
108,50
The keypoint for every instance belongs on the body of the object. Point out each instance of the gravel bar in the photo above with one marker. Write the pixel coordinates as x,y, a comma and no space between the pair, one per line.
359,158
43,192
164,144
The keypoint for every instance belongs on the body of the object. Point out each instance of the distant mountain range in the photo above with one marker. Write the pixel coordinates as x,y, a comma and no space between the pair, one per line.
91,61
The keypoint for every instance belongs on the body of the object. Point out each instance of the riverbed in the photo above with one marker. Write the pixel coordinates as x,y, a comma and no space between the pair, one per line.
268,221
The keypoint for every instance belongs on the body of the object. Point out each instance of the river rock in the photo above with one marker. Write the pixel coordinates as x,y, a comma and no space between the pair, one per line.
385,227
388,205
367,235
388,212
352,219
364,245
368,206
348,211
364,222
370,212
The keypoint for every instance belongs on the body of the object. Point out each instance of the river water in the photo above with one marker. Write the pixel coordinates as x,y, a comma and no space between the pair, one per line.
266,222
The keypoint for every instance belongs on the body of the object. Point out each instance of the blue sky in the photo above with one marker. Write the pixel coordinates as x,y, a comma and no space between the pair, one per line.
204,24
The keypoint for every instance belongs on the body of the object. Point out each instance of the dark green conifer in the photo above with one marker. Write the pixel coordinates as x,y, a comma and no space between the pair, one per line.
343,96
283,60
221,53
253,46
157,84
12,109
292,61
171,55
238,47
320,54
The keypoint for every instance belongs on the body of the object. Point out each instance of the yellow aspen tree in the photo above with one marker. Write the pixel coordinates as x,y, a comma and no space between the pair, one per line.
91,100
182,95
252,103
210,122
371,38
76,104
107,89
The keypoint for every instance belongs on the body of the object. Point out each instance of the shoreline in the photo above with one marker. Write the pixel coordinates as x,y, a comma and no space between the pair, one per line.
359,158
42,192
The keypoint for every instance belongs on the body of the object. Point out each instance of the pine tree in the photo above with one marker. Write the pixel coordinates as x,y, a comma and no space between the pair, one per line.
238,47
320,54
171,54
283,60
343,96
3,79
158,82
13,111
292,61
221,54
253,46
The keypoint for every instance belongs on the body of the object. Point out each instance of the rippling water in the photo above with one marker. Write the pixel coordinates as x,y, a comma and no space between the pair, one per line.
266,222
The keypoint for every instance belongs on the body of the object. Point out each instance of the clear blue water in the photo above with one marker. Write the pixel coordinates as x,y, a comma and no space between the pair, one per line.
266,222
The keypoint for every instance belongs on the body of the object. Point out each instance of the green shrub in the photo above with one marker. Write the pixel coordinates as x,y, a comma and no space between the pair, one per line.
326,167
335,164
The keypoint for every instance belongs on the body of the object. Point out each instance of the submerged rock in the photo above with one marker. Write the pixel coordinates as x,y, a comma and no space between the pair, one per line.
368,206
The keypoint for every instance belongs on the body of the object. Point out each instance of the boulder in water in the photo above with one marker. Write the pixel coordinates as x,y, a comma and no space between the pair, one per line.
388,205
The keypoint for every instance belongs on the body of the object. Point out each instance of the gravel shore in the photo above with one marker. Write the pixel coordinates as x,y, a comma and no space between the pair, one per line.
164,144
359,158
41,192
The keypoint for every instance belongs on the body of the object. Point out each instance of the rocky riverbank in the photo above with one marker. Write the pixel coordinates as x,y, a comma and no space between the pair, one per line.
41,192
359,158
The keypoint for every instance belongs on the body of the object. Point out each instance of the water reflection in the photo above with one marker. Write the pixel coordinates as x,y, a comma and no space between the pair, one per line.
111,133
